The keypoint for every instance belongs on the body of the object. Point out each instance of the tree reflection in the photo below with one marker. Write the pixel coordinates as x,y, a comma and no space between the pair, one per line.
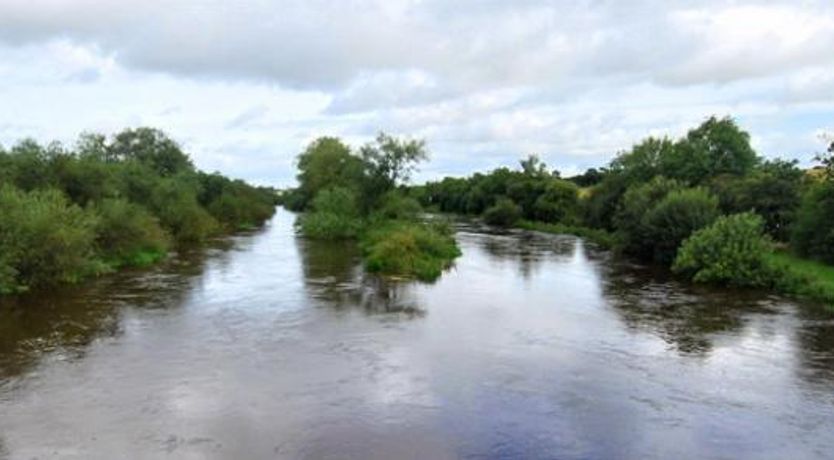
68,319
333,274
685,317
528,250
815,341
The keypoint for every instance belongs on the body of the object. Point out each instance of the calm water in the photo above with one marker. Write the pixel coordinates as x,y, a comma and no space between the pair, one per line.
534,346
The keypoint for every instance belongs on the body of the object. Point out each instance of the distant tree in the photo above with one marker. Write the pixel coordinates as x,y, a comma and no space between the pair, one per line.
149,146
533,166
389,162
591,176
717,146
326,162
827,160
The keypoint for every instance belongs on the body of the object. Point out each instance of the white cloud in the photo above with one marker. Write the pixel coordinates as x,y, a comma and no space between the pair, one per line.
244,86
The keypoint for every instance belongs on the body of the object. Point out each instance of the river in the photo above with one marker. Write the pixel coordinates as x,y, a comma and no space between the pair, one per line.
533,346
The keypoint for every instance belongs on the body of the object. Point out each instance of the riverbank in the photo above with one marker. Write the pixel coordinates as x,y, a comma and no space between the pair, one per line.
805,278
599,237
796,277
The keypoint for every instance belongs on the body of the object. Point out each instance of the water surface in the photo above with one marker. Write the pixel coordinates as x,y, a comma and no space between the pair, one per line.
533,346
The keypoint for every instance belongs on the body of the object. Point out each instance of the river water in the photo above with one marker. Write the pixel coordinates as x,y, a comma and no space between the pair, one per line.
534,346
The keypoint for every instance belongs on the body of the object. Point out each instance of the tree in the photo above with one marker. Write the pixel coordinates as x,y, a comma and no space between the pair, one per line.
149,146
675,217
533,166
388,163
327,162
717,146
827,160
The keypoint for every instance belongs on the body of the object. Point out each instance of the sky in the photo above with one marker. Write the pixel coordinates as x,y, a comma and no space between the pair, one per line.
245,86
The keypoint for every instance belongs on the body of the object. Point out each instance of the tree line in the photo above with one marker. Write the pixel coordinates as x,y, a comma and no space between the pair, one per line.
68,213
706,205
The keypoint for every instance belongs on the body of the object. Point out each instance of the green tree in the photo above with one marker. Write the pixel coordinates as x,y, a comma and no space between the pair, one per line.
676,217
631,219
326,162
717,146
813,234
389,162
504,213
558,204
151,147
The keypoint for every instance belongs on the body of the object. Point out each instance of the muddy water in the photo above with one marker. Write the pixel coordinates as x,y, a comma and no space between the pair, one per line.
534,346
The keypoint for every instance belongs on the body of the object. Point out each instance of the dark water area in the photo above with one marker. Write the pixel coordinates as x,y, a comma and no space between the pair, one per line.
533,346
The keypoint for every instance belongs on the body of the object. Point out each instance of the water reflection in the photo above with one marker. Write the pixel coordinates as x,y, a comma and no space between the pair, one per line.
333,274
64,321
533,346
815,335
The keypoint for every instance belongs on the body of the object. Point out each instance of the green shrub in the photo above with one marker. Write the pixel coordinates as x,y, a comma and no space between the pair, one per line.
127,234
558,204
335,215
677,216
733,250
175,204
631,218
396,206
410,249
813,234
44,239
505,213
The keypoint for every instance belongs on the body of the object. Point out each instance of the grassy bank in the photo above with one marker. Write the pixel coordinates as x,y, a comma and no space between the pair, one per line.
600,237
805,278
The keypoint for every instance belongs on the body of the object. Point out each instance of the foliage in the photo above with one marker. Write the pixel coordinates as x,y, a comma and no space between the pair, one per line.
803,277
504,213
127,234
590,177
388,162
395,205
326,162
773,190
410,249
111,202
335,215
717,146
827,161
558,203
631,219
597,236
676,217
813,234
44,239
733,250
151,147
174,201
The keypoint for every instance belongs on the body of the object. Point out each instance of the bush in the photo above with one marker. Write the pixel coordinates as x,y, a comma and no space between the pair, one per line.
505,213
335,215
409,249
44,239
676,217
733,250
631,219
558,204
813,234
127,234
396,206
175,204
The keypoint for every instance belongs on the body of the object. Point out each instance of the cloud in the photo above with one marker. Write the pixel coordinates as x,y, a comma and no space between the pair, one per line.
483,81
